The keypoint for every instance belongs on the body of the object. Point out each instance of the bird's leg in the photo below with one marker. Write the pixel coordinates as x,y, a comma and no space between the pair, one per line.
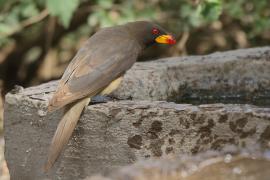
104,96
112,86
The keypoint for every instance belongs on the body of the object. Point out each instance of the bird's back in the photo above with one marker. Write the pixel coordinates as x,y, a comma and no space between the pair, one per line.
104,57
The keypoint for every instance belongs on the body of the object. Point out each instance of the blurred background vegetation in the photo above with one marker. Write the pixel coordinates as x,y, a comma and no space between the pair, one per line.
39,37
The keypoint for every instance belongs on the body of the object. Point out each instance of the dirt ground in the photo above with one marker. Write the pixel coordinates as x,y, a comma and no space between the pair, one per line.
4,175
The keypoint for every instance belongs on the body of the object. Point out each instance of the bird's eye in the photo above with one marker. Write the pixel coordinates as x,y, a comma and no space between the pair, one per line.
155,31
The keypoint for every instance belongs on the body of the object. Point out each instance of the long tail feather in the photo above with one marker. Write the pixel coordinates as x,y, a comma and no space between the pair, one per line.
64,130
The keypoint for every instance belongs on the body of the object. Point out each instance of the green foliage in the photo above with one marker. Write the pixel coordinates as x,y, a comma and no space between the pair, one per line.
63,9
202,13
109,13
178,15
254,13
211,10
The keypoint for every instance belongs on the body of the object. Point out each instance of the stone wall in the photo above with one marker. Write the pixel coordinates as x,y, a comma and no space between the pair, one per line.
118,133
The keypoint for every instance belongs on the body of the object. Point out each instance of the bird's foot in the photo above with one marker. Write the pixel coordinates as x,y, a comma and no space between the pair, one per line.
106,98
100,99
115,98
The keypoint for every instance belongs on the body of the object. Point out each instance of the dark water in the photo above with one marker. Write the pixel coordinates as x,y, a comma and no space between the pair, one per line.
229,100
261,99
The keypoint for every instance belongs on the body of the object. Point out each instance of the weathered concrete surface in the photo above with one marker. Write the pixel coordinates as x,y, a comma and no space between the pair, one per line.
211,165
118,133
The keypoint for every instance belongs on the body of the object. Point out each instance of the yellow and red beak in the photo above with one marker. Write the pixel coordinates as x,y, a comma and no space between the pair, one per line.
165,39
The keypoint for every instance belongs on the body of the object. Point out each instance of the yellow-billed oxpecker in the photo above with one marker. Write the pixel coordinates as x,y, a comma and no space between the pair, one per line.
97,69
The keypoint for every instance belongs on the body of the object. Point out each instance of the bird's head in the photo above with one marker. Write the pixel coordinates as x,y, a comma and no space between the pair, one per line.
149,33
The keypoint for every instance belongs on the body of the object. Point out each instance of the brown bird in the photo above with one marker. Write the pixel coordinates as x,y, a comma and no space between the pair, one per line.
97,68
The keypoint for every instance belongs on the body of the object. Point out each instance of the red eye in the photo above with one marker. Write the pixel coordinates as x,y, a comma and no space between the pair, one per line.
155,31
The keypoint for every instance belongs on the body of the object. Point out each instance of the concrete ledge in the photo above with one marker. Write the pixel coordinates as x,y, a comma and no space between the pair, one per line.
241,74
231,77
115,134
118,133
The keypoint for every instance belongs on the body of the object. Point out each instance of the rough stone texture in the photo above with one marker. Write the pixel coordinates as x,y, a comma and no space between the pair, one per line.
211,165
118,133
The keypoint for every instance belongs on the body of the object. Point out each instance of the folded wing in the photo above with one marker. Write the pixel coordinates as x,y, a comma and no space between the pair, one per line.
97,63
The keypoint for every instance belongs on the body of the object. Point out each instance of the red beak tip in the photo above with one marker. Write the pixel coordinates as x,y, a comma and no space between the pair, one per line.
171,41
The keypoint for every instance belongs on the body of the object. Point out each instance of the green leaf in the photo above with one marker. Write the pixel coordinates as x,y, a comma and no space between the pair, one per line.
211,10
106,4
28,10
190,15
2,2
5,29
63,9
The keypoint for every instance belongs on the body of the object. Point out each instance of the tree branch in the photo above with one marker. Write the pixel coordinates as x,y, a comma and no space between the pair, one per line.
28,22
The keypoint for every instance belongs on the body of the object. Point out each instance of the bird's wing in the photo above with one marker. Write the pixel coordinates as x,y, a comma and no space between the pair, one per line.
93,68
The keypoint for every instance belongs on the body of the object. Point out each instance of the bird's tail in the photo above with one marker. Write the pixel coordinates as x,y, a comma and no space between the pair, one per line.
64,130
